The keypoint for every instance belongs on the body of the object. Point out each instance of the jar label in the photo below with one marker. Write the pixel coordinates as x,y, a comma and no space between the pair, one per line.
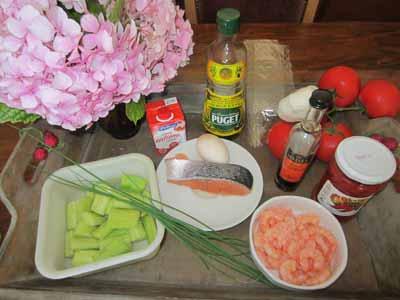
339,203
225,74
294,166
224,115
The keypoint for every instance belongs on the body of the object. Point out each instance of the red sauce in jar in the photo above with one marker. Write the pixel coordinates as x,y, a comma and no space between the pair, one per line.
360,169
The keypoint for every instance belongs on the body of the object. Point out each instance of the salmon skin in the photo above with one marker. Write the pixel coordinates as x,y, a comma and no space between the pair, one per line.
215,178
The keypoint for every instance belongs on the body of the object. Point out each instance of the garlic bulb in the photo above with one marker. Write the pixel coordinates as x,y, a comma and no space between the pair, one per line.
294,107
212,149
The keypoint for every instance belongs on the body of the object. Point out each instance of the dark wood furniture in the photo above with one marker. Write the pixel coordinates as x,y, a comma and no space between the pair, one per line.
255,11
358,10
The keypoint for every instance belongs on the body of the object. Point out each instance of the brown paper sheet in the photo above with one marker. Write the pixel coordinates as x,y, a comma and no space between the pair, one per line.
269,79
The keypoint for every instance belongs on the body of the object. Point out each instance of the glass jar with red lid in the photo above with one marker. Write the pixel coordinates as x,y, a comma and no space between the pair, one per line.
360,168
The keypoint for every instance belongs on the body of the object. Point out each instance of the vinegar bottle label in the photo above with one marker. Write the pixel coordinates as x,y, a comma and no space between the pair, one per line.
224,115
225,74
294,166
224,106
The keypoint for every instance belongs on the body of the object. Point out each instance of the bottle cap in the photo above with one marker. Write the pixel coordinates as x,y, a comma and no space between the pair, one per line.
228,21
321,99
365,160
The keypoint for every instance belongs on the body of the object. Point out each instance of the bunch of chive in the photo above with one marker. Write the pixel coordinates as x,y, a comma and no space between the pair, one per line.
213,249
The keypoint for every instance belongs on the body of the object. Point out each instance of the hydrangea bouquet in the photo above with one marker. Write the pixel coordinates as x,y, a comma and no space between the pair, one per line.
71,61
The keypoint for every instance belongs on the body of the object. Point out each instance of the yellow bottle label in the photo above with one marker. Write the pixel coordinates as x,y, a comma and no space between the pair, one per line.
225,74
224,115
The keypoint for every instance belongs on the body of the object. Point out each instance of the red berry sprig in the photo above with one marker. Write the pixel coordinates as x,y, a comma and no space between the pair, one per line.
390,142
40,154
50,139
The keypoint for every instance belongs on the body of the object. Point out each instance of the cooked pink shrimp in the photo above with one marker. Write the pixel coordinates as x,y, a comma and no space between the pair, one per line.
320,262
297,246
294,249
318,277
262,256
322,244
327,242
270,217
289,272
310,258
275,263
258,238
272,251
308,219
327,235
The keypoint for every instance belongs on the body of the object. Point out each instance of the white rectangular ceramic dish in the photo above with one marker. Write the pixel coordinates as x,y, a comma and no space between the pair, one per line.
49,254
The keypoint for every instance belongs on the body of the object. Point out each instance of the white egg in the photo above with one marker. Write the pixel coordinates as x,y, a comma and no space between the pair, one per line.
212,149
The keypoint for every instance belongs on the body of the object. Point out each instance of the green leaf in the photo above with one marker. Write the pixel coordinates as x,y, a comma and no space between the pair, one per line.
115,14
14,115
73,14
135,110
95,7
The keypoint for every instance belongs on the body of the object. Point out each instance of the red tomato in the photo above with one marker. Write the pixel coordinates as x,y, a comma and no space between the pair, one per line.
332,135
381,98
277,138
346,83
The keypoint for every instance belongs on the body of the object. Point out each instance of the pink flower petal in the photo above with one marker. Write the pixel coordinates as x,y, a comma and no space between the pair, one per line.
109,84
89,41
53,59
70,28
54,120
27,14
109,68
99,76
49,96
133,29
62,81
89,23
11,43
29,101
183,39
74,57
36,65
16,28
80,6
63,44
44,4
42,29
57,16
92,85
141,4
16,89
125,87
104,40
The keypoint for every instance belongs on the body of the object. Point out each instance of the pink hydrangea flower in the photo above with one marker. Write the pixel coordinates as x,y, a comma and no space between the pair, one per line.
72,74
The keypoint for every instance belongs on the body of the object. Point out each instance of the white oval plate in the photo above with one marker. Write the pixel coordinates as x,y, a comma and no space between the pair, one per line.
218,212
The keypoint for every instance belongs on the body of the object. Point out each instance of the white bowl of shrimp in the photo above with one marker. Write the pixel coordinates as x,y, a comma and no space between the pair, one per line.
297,243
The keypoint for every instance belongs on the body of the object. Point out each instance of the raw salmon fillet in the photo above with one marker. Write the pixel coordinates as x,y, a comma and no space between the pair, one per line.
214,178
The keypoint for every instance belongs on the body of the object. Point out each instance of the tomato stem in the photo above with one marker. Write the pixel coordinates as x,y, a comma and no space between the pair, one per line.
336,109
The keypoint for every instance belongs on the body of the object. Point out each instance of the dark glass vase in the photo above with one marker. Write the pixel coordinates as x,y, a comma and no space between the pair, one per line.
118,125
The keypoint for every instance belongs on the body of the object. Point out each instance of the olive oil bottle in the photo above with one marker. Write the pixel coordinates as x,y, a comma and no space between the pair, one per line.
224,105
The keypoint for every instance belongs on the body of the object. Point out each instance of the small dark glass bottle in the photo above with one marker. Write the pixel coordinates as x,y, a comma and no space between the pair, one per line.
118,125
303,143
